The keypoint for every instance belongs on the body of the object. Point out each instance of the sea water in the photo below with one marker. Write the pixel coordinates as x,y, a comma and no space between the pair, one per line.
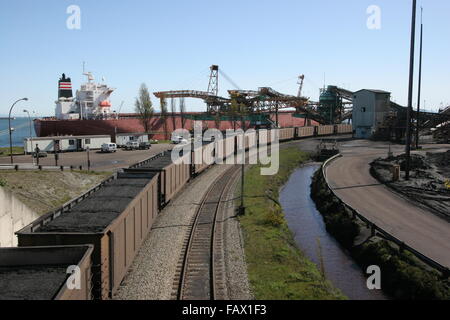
22,131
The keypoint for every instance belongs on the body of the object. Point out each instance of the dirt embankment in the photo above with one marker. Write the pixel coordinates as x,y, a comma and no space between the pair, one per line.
430,179
43,191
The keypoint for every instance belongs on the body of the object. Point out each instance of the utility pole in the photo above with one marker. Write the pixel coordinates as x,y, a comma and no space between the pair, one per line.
410,92
242,208
420,80
10,130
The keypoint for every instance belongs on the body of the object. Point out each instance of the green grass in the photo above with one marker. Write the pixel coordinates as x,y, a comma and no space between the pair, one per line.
4,152
277,269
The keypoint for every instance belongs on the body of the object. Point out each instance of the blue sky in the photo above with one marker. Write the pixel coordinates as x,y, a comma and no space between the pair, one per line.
171,44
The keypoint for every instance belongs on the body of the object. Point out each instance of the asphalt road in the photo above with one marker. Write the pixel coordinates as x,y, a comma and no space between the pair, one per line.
350,178
99,161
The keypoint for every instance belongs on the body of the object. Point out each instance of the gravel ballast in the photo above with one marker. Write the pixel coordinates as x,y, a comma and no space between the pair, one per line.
153,271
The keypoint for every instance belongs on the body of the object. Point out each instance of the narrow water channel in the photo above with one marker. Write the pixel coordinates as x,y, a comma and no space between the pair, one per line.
308,227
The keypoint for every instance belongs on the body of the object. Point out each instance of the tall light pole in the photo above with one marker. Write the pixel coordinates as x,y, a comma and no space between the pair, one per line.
10,131
420,80
31,134
410,91
242,207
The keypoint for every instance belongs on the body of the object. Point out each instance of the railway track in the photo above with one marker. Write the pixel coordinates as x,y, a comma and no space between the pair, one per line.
201,268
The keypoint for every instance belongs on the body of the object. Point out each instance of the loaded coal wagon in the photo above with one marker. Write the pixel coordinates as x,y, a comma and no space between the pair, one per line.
115,219
172,176
42,273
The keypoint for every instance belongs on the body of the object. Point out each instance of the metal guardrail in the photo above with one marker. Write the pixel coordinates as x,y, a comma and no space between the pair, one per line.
374,228
25,167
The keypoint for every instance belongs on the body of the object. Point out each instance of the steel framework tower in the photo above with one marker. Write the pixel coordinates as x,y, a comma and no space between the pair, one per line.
213,86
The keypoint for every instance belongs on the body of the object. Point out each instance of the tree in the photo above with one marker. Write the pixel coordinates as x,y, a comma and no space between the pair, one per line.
182,112
164,116
173,109
144,107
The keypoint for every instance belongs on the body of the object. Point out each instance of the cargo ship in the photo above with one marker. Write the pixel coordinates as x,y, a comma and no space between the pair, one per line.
91,112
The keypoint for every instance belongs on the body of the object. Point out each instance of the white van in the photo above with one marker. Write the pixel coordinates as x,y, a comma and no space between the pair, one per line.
132,145
178,140
109,147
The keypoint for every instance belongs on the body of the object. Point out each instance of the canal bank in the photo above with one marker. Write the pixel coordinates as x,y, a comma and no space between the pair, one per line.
277,269
310,235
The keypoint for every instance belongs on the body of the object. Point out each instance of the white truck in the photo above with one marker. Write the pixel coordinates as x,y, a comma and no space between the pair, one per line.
109,147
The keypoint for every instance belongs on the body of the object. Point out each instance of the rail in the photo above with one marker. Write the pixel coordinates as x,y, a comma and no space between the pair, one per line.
374,228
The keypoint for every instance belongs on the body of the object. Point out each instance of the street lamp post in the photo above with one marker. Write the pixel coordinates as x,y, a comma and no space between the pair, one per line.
31,135
9,125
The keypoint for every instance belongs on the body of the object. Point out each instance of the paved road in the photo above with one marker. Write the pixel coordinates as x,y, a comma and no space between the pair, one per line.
349,176
99,161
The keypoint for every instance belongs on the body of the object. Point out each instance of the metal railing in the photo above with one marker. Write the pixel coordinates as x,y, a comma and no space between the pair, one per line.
377,229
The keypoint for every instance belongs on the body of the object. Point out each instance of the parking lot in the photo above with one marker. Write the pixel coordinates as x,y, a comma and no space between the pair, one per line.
99,161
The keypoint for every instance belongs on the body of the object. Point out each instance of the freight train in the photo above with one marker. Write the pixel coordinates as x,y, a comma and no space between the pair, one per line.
105,228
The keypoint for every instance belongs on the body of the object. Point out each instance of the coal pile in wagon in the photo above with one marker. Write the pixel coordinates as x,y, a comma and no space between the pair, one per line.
96,212
159,162
31,282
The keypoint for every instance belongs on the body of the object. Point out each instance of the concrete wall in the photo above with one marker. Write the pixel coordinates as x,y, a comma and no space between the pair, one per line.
14,215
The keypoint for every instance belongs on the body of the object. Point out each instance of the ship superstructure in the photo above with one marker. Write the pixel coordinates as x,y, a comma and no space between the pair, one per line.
91,101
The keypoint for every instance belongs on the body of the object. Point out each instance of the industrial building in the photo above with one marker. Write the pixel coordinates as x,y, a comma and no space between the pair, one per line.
370,110
65,143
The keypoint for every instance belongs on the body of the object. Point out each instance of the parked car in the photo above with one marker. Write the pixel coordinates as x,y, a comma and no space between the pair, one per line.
109,147
132,145
179,140
145,145
40,154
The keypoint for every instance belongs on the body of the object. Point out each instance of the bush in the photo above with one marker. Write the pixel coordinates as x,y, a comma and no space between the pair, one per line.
3,183
337,221
402,277
274,218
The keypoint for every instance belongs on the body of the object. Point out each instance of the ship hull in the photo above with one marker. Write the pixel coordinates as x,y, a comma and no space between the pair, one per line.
158,129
